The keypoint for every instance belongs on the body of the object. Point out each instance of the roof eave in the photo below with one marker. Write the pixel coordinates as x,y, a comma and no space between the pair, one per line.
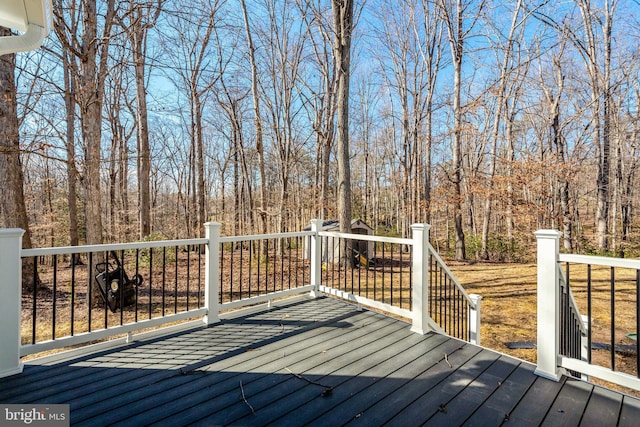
32,18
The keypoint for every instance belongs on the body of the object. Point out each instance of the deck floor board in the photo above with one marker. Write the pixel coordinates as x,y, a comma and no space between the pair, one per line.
308,361
569,406
603,408
496,408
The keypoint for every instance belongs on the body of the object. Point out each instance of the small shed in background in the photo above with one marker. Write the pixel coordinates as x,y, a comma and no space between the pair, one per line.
363,249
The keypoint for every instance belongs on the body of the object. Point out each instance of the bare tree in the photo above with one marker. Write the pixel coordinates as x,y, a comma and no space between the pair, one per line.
412,35
14,211
343,29
501,89
455,13
70,65
93,71
601,101
283,41
262,212
189,52
142,16
322,95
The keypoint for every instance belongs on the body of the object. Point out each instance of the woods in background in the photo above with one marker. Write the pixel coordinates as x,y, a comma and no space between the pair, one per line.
489,119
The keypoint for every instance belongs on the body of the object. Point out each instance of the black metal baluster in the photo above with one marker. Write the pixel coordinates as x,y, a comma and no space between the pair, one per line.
344,285
613,320
266,267
106,303
276,257
391,276
401,273
411,281
73,292
221,263
563,328
432,284
360,270
175,281
137,287
289,250
55,291
35,299
281,255
241,270
331,259
250,267
89,296
297,264
259,262
323,273
383,271
122,287
233,250
589,321
351,264
447,308
221,274
200,248
374,270
440,297
458,310
188,248
150,282
637,323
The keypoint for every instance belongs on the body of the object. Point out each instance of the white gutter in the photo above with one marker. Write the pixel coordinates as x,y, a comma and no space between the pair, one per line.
32,18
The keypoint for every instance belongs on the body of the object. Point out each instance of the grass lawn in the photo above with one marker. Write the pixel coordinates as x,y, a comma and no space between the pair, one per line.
508,302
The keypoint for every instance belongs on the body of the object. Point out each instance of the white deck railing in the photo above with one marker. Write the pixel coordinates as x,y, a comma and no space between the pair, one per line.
554,286
11,256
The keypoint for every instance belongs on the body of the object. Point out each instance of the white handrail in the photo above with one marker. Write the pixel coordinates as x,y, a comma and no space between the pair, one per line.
68,250
382,239
600,260
229,239
449,273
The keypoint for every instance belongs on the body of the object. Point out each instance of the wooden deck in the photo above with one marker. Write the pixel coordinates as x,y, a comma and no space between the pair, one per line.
301,362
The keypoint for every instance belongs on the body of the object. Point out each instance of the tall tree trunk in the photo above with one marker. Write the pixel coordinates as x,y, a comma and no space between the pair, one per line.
343,19
14,209
601,102
144,153
142,20
343,27
70,145
123,186
262,212
113,180
456,44
91,88
495,130
200,188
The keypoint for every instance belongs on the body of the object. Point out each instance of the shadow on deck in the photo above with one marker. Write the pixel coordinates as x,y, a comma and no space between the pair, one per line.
305,362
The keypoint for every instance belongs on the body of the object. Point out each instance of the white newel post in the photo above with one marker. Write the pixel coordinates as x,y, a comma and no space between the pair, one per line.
548,304
474,319
420,278
212,272
315,257
10,300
